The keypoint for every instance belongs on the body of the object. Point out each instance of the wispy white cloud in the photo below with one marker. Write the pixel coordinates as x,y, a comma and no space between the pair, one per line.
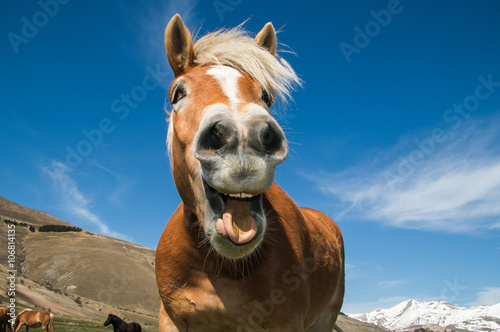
73,200
449,184
488,296
361,270
391,283
123,184
349,270
149,23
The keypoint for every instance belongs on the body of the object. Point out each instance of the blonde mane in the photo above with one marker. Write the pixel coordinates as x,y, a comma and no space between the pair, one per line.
235,48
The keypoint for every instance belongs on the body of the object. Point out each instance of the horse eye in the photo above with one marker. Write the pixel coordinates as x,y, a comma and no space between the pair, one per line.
266,98
178,94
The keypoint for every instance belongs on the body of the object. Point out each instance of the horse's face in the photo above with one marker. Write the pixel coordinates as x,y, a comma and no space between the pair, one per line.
224,147
109,320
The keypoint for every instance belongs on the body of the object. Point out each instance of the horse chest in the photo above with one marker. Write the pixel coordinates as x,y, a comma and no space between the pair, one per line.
206,301
226,305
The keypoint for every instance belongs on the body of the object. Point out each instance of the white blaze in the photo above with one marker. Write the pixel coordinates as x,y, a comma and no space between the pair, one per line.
228,80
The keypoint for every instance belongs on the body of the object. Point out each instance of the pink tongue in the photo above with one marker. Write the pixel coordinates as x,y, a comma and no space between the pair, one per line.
239,223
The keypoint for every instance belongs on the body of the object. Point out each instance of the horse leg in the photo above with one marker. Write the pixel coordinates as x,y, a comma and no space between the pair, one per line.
18,327
51,324
326,321
167,325
323,323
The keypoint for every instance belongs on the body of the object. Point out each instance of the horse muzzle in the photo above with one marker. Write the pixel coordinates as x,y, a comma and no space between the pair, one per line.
237,158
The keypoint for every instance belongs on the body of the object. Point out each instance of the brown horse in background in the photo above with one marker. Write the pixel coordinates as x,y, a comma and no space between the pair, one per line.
32,318
238,254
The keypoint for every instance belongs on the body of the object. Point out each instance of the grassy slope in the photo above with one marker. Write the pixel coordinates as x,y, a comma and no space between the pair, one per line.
13,211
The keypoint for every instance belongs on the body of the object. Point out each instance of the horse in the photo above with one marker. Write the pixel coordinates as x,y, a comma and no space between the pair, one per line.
32,318
4,319
238,254
119,325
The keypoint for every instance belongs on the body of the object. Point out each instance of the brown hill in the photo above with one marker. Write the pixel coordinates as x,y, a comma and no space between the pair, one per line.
85,275
347,324
16,212
78,273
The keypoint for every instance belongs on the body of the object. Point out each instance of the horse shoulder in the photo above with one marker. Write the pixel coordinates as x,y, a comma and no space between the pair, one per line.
305,227
318,244
327,268
322,227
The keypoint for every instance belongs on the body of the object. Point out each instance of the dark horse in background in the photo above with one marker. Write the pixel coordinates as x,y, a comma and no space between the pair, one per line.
119,325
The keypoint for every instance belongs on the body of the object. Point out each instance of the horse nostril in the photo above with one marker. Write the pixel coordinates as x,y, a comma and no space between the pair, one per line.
216,138
270,138
267,136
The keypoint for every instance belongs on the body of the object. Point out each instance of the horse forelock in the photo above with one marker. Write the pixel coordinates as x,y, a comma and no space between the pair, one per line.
235,48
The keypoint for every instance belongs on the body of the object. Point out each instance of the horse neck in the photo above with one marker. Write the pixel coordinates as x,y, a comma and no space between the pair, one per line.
184,181
117,322
194,230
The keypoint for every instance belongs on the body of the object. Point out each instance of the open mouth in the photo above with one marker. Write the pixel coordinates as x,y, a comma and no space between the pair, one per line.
238,217
238,221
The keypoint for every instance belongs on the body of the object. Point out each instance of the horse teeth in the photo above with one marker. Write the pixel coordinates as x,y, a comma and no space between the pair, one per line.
241,195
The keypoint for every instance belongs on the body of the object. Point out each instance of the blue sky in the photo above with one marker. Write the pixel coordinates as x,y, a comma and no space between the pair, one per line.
395,133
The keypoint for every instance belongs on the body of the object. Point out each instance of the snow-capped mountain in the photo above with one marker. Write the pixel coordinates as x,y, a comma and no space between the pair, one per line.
412,313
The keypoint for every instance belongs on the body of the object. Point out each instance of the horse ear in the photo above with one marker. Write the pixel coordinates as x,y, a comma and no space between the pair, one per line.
179,46
267,38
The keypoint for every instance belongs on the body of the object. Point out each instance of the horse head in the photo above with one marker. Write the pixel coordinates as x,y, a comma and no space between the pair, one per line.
110,320
223,142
